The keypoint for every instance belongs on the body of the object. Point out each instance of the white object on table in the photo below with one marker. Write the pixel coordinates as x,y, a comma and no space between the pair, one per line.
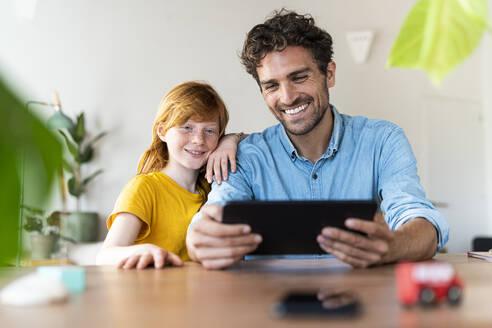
33,289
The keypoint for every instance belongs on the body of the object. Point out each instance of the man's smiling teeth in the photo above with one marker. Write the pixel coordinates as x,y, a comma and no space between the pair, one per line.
296,110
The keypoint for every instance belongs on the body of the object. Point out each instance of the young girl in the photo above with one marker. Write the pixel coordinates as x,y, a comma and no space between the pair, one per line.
149,222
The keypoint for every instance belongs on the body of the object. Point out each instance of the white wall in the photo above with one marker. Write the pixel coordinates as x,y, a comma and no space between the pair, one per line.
116,59
487,109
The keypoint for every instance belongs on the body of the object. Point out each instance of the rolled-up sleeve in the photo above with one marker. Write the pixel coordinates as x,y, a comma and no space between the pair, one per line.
401,195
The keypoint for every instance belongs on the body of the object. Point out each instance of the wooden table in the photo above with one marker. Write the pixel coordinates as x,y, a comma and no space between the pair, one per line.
243,297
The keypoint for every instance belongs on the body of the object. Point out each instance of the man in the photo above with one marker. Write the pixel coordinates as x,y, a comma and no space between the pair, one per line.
317,153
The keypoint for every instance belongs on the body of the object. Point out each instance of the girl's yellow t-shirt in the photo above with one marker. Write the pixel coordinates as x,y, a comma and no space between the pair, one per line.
165,208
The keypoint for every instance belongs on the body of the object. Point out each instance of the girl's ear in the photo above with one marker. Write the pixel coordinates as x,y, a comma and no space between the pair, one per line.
161,133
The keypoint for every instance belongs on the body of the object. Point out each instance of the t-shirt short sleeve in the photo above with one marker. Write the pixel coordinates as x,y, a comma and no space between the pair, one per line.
136,198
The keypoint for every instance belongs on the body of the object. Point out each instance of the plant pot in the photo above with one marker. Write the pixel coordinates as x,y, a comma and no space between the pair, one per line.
42,246
80,227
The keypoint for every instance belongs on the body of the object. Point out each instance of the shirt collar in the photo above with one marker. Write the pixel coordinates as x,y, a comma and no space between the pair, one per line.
287,144
334,141
336,134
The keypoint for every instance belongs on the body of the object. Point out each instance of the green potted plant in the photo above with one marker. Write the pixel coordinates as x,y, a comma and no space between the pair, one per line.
44,231
78,225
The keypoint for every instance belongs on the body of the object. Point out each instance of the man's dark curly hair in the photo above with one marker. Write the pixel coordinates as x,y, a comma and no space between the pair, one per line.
286,28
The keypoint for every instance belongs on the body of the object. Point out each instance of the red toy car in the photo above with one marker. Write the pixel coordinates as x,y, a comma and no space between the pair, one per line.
427,283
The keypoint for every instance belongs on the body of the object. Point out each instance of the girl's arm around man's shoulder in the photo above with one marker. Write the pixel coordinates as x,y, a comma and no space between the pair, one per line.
217,164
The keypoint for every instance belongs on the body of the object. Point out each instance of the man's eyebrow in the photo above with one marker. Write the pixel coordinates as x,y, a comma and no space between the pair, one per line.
299,71
290,75
268,81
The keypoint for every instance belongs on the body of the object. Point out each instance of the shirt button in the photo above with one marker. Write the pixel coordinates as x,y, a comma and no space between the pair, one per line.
292,155
314,176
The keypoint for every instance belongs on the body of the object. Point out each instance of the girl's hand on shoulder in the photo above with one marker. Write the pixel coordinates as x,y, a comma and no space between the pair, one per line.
149,254
218,160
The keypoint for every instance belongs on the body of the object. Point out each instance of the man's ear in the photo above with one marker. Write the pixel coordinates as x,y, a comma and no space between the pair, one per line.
330,74
161,133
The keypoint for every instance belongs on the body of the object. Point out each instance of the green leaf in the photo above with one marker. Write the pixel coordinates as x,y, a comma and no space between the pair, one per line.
33,224
54,219
67,166
72,147
27,149
60,121
90,177
96,138
73,188
79,129
438,35
87,154
33,210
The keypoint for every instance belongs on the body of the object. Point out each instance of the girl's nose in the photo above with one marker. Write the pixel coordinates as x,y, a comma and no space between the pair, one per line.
198,138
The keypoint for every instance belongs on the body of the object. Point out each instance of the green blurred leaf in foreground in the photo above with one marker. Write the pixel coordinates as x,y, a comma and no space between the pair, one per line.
438,35
24,141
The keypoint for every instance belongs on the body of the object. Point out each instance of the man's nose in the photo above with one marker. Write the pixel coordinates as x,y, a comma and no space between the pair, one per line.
288,94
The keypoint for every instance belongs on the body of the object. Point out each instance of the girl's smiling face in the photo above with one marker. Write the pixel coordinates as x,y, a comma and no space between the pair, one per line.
190,144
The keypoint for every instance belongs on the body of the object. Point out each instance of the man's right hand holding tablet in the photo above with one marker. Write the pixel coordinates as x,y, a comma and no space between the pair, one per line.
217,245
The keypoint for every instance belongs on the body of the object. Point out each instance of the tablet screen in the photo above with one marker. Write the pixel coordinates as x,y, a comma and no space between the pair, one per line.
291,227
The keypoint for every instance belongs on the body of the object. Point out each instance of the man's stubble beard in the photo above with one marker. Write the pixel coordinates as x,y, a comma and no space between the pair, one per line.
315,119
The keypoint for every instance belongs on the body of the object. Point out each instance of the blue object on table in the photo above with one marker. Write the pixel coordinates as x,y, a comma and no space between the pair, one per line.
73,277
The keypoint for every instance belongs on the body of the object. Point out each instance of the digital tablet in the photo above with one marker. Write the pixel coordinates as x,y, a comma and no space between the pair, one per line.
291,227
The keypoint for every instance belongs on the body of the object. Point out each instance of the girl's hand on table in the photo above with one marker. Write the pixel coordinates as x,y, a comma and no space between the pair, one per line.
149,254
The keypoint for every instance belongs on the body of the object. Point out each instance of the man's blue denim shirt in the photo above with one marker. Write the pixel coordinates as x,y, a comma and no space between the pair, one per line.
367,159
